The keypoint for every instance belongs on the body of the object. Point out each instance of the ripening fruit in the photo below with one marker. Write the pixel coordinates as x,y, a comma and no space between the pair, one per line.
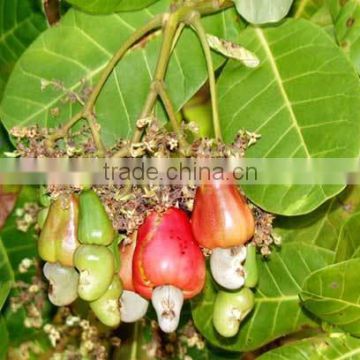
58,239
167,259
230,309
126,269
107,307
96,266
132,306
95,227
221,217
63,283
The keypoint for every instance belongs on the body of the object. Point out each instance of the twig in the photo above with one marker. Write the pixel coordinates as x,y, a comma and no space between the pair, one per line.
165,98
87,112
200,31
170,29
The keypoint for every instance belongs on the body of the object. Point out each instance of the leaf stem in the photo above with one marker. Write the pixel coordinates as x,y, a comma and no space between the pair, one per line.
200,31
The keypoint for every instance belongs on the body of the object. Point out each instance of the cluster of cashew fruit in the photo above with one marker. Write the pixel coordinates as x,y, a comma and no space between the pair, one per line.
223,222
163,264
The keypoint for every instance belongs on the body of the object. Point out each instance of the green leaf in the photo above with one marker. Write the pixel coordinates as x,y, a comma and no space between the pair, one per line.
110,6
263,11
6,275
346,16
4,336
332,294
306,8
317,348
304,99
349,241
317,11
21,23
321,227
90,43
277,311
18,245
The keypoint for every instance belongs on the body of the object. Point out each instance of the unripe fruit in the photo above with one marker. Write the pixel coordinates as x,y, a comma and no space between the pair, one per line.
168,265
63,283
42,216
167,254
95,227
221,217
230,309
132,306
44,198
96,266
250,267
106,307
227,267
58,239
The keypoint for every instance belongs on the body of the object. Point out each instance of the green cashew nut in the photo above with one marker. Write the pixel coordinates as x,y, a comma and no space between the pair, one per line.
107,306
250,267
96,266
95,227
41,218
230,309
63,283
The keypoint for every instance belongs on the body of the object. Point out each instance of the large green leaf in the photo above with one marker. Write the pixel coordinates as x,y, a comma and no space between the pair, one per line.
321,227
6,275
277,311
346,17
20,23
317,11
349,241
317,348
4,342
306,8
90,43
332,294
19,245
110,6
304,99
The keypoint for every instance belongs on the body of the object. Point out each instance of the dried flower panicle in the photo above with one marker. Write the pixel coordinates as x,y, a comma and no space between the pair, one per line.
26,216
264,237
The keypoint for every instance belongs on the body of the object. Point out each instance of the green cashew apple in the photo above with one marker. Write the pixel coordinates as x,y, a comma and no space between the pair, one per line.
42,216
96,266
250,267
230,309
58,239
95,227
107,306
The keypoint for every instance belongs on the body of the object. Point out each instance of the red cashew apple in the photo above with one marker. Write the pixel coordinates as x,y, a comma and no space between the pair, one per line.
221,217
132,306
223,222
168,264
